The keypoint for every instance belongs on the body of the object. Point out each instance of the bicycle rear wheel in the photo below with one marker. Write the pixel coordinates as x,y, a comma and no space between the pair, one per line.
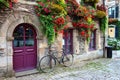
47,63
68,60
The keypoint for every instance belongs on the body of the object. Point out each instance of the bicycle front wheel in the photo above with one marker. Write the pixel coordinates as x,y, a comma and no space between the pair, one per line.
47,63
68,60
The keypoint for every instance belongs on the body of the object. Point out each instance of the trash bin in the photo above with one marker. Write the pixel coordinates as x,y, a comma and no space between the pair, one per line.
109,51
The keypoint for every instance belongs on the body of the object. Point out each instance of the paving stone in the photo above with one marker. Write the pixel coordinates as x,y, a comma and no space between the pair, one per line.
98,69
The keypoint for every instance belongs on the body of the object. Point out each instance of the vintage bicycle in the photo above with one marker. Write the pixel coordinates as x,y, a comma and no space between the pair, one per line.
47,63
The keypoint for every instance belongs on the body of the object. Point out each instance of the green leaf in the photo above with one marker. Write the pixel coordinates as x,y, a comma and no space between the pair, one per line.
5,3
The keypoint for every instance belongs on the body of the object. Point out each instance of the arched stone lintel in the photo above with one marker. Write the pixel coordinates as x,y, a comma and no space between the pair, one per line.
24,19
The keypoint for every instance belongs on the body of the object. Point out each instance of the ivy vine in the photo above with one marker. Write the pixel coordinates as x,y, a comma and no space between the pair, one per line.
103,24
3,4
47,28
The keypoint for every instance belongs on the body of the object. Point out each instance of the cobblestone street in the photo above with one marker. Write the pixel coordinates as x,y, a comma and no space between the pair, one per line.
98,69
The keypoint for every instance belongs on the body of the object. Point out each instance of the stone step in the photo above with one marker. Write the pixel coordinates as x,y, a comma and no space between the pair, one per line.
24,73
2,78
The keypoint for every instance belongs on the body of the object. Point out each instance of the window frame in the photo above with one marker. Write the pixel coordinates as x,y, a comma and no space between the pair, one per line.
92,44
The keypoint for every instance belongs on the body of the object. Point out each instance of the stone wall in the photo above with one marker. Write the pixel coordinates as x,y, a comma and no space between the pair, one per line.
24,13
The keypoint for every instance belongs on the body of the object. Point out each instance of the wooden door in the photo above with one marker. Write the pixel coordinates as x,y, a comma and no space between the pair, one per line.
24,48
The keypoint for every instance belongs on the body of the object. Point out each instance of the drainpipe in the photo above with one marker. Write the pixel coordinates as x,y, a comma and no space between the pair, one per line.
104,36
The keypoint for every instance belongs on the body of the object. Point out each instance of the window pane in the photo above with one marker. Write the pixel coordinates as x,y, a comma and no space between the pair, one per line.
28,32
18,31
29,41
92,41
18,42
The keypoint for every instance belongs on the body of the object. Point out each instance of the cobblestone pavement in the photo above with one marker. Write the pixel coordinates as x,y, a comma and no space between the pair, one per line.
98,69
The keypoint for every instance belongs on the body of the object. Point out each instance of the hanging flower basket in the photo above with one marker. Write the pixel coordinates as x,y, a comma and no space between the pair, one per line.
100,14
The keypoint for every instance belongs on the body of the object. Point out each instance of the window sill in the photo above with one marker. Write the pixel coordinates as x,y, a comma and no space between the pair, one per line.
92,49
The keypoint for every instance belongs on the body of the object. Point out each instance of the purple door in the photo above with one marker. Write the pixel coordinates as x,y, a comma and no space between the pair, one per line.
24,48
68,41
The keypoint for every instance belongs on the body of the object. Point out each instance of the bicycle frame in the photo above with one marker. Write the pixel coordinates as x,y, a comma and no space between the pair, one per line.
52,52
59,61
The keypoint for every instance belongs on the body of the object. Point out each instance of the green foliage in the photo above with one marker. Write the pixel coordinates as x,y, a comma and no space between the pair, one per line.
47,28
114,43
42,1
52,17
82,2
3,4
117,23
62,3
100,14
103,24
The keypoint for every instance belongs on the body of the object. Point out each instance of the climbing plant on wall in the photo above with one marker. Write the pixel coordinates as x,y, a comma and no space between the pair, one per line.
52,16
102,15
82,17
3,4
6,4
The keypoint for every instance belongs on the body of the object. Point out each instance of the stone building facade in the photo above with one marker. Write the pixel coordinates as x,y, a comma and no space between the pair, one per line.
23,14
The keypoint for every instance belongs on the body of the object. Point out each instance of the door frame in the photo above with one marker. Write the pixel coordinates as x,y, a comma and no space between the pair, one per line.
8,28
9,47
25,25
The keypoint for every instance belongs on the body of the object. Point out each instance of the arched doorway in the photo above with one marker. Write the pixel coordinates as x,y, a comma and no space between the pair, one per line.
24,48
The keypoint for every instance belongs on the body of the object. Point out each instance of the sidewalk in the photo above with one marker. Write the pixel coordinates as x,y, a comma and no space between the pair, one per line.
116,54
98,69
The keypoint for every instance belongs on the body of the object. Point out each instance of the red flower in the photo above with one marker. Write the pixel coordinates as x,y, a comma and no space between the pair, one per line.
36,7
55,29
82,24
85,17
10,4
74,24
82,33
61,32
91,26
93,16
38,14
66,26
59,21
85,26
46,10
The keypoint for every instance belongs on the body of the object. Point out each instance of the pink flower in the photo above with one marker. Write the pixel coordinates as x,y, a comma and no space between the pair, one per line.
10,5
46,10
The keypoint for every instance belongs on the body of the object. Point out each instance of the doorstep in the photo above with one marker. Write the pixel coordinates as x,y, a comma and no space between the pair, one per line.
24,73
